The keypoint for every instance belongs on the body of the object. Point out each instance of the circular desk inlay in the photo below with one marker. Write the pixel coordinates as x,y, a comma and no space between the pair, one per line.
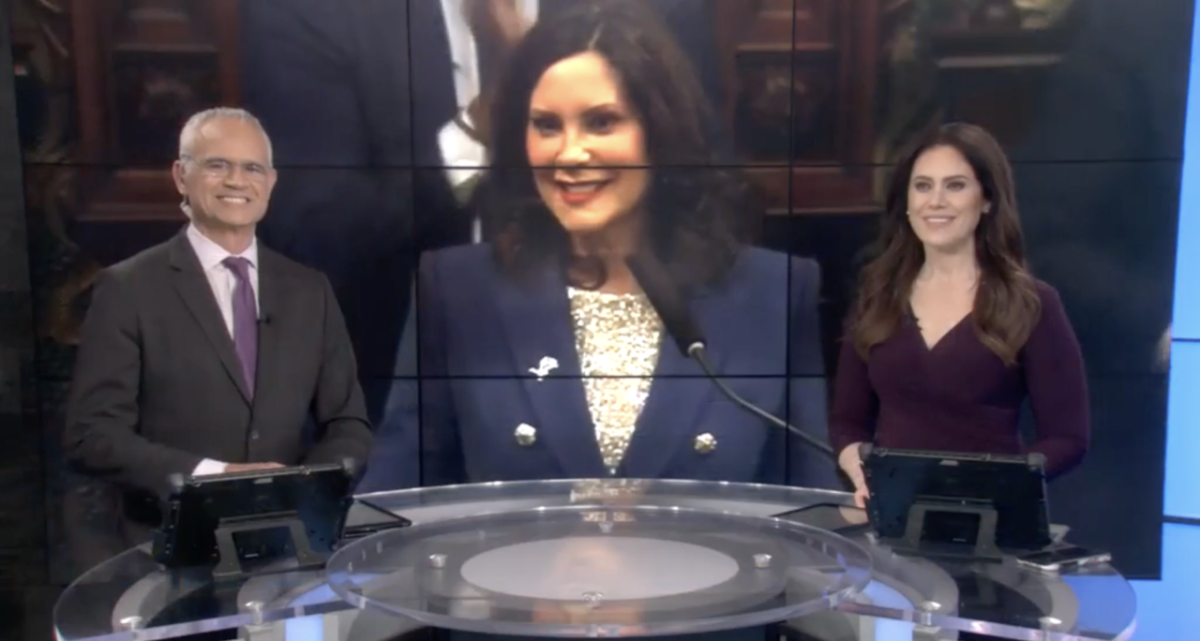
599,567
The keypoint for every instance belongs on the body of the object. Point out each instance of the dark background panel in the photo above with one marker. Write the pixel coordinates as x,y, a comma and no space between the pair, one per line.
1055,80
1114,500
1119,92
1104,234
27,593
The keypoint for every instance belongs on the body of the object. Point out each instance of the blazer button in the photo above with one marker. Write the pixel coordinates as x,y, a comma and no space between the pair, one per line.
254,435
705,443
526,435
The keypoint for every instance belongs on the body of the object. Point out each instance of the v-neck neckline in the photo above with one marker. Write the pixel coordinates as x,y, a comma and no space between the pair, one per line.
929,349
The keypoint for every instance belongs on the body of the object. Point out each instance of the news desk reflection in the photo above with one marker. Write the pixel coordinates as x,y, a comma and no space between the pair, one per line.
536,354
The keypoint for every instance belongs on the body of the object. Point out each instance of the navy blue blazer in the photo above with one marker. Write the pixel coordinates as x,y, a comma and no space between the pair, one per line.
465,381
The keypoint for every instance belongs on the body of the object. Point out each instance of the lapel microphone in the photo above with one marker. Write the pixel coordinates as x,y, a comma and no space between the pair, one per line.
667,300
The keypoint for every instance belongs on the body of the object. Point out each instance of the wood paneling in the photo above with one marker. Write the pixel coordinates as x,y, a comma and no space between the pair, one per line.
803,79
141,68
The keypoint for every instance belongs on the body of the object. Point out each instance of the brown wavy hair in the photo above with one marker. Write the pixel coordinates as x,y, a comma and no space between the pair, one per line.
1007,306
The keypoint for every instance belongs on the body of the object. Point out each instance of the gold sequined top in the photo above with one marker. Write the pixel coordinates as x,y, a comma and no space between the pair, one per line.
617,337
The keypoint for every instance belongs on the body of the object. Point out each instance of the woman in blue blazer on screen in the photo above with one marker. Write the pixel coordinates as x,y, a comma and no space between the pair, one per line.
537,356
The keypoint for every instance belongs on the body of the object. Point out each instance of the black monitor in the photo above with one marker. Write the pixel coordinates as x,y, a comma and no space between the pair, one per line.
240,523
957,504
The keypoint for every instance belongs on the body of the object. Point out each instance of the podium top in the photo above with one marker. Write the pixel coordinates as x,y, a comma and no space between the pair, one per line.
130,597
595,570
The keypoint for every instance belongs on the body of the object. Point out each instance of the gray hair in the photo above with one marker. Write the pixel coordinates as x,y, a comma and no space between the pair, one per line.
187,136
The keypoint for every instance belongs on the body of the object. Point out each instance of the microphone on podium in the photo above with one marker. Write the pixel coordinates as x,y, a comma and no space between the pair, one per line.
667,301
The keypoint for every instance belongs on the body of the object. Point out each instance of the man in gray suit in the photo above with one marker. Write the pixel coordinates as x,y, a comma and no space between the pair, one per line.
208,353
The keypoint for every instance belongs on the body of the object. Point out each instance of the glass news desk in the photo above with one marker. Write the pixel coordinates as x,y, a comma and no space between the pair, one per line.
603,558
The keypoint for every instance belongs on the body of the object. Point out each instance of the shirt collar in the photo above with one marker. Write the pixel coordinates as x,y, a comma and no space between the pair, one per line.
211,254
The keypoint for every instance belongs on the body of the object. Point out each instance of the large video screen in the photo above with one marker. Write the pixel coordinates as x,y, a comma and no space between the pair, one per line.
445,163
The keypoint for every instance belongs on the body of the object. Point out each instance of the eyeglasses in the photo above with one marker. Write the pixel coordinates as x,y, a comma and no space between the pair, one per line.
224,168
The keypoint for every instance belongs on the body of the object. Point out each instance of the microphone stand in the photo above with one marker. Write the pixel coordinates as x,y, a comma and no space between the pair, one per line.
695,351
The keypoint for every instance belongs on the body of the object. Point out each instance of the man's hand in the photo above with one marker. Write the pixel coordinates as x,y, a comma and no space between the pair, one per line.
498,18
509,22
233,468
498,27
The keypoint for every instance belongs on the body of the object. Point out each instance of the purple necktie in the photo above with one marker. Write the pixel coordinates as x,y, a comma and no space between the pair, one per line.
245,319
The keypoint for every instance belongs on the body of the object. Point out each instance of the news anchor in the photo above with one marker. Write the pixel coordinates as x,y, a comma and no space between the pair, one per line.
208,353
951,333
536,355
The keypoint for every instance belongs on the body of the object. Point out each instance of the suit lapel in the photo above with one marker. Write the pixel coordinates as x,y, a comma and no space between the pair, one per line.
537,321
192,287
678,394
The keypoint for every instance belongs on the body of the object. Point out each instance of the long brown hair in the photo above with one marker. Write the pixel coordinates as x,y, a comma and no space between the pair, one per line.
1007,306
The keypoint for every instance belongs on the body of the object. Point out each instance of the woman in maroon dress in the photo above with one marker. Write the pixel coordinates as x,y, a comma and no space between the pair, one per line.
951,333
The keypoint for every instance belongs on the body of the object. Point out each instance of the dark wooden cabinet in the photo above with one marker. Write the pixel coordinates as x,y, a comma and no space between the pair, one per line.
141,68
803,74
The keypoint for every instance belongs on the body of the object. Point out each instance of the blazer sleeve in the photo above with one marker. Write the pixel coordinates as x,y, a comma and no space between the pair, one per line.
807,388
343,430
418,442
1057,384
101,437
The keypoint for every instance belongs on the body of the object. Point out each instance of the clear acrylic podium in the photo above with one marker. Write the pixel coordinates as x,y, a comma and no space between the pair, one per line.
587,558
590,571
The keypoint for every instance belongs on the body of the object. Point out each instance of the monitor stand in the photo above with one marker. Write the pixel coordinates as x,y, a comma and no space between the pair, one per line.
231,560
921,537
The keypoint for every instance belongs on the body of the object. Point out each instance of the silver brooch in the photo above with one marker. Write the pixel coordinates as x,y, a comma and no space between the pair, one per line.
545,366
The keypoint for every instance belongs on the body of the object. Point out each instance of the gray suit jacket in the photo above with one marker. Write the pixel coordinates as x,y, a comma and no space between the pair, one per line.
157,385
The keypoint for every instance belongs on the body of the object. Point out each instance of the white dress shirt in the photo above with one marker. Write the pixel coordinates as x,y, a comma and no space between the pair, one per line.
222,281
463,155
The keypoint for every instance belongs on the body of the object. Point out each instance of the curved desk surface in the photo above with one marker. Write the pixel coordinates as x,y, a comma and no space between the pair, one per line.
130,597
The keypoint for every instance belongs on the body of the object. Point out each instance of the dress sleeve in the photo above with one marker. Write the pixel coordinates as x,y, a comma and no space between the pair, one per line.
854,401
1057,385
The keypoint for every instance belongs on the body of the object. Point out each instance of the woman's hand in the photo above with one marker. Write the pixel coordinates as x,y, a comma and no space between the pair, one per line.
851,463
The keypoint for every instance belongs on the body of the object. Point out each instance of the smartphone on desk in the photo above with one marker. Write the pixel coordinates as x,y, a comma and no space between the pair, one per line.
839,519
1057,558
